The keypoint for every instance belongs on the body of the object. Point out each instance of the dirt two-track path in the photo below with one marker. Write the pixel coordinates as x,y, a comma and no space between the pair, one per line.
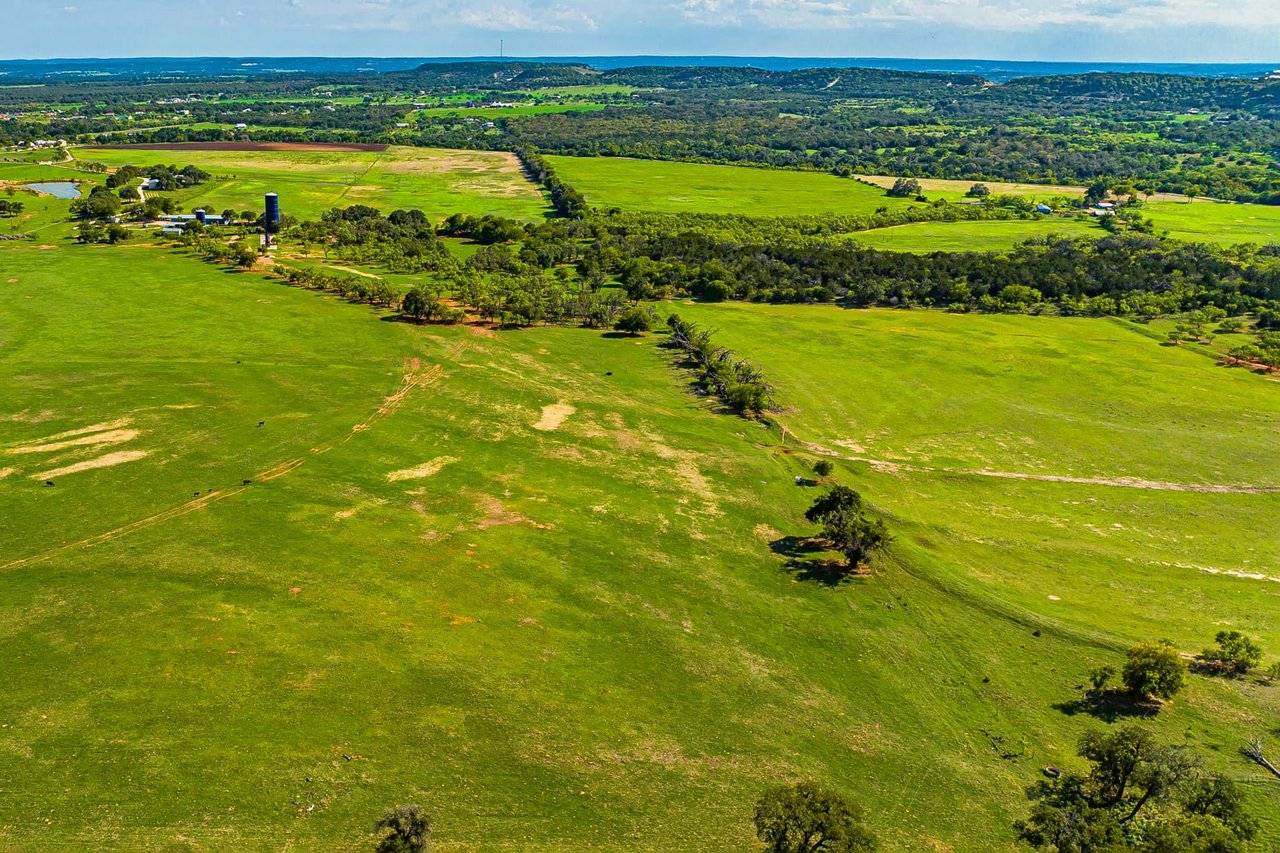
415,377
889,466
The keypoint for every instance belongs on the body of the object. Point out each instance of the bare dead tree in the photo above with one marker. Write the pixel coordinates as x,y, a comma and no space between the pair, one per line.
1253,751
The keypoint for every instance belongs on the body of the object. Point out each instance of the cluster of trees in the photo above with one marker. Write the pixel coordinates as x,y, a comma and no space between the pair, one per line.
100,203
212,247
1138,794
371,291
1127,274
485,230
402,241
567,201
167,177
92,232
720,372
1264,349
10,208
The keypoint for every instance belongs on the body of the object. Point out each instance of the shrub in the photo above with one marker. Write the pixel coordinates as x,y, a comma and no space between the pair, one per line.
1154,669
634,321
1235,652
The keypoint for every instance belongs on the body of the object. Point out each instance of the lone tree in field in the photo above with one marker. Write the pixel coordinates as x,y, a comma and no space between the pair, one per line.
634,321
823,468
805,818
979,191
1154,669
904,188
839,511
406,829
1235,653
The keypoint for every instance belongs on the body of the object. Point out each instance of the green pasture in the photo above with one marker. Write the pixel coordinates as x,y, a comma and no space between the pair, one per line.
1045,456
669,187
437,181
1216,222
530,581
491,113
978,236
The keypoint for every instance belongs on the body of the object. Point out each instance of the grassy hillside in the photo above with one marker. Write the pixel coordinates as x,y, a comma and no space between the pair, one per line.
530,581
437,181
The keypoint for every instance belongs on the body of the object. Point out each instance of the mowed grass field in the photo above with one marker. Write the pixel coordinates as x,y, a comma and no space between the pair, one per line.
530,581
439,182
990,236
1216,222
672,187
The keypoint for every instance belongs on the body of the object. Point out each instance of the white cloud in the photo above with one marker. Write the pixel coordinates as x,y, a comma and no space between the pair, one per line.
557,19
999,15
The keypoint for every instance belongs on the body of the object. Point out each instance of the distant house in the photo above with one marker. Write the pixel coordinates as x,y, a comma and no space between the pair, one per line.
150,184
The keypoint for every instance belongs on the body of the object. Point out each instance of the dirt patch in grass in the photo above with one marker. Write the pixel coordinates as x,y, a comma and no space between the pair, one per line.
350,511
352,271
107,461
118,436
246,146
496,515
765,533
553,416
500,162
5,472
427,469
107,425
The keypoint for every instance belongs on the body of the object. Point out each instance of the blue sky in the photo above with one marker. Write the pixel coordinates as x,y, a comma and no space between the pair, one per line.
1095,30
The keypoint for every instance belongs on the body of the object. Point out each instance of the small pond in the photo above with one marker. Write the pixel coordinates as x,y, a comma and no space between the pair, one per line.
57,189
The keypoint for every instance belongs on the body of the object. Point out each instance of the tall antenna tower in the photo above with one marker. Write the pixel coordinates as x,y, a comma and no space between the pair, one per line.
501,50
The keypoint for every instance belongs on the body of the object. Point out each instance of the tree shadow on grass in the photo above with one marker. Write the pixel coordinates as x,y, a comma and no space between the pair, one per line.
1110,706
805,561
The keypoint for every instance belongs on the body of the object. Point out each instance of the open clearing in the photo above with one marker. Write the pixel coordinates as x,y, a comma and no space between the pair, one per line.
669,187
987,236
437,181
597,636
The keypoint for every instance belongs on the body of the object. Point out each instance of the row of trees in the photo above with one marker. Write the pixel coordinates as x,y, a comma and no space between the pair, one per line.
567,201
720,371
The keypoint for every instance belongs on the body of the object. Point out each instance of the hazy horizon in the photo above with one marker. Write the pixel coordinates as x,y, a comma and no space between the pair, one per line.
1116,31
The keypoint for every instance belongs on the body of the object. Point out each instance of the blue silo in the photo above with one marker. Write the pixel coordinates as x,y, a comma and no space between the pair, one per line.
272,219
